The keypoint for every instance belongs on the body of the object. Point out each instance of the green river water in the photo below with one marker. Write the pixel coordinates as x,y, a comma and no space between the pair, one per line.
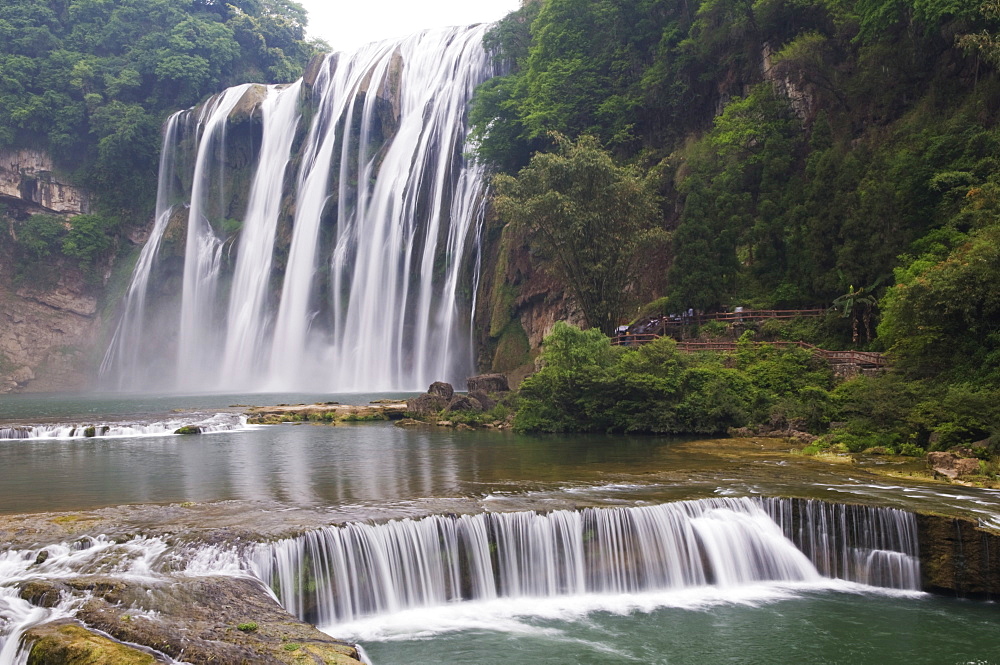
287,478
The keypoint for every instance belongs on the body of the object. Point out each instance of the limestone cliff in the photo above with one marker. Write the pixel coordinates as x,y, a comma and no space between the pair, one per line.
518,304
28,180
48,326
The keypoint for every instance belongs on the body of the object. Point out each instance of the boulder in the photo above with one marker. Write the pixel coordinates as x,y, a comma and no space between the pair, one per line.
489,383
220,620
484,400
427,404
464,403
441,389
951,465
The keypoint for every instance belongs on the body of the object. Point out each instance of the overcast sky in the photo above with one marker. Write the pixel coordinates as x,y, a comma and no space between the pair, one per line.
347,24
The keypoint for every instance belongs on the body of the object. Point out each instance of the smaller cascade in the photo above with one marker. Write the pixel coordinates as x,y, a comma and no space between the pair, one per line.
866,544
16,617
220,422
339,574
361,569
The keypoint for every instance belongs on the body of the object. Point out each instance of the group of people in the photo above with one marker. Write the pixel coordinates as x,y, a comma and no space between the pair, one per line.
657,325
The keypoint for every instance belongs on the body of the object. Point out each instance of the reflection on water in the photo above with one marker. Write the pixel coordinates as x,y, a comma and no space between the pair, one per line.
301,465
368,465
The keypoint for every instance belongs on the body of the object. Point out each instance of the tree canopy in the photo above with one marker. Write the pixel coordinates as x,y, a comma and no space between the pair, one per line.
587,217
92,80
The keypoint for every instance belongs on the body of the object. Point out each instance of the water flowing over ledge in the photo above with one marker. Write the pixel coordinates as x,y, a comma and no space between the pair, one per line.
341,574
318,236
220,422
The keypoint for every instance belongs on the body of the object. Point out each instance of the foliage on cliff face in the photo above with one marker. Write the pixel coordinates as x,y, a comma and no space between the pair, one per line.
810,152
92,81
586,217
811,144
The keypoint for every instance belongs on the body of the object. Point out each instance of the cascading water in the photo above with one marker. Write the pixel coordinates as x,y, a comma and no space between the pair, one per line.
139,559
876,546
219,422
340,574
350,260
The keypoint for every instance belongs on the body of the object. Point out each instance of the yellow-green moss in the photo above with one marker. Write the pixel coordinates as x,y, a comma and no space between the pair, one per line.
513,349
69,644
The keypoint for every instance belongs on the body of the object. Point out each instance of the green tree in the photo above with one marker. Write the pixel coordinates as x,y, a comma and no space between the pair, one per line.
588,217
943,316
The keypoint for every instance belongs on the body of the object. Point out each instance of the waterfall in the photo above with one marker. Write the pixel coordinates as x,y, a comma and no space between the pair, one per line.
876,546
338,574
329,228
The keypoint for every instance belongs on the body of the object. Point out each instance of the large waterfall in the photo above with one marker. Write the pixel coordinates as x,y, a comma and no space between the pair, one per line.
339,574
316,236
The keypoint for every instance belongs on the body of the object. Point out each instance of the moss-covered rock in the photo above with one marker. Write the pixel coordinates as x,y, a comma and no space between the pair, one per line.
199,620
66,643
513,349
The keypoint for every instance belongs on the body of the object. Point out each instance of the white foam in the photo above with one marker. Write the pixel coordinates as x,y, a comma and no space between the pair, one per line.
520,616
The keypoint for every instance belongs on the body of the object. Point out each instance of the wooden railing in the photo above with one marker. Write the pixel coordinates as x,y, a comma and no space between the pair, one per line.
861,359
754,314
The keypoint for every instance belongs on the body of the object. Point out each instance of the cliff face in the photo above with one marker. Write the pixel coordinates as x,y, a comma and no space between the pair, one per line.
28,180
48,327
518,304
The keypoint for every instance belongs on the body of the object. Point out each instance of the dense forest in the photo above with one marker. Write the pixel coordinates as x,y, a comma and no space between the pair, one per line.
810,153
91,82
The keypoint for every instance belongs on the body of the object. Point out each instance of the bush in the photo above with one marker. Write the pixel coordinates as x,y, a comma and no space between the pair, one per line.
89,239
585,385
40,236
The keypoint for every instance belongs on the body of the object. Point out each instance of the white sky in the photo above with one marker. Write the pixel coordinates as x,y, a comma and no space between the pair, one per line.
347,24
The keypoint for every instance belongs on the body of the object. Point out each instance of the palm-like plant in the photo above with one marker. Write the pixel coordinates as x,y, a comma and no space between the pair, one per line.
858,304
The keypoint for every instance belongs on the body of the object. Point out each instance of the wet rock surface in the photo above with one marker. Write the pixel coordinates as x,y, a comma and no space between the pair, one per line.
951,465
224,620
67,643
427,404
958,558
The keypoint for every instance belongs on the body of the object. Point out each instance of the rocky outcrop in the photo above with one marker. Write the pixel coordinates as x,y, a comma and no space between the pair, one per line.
464,403
28,177
518,305
441,396
488,383
441,389
958,558
223,620
483,398
951,465
49,318
436,399
47,336
790,84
